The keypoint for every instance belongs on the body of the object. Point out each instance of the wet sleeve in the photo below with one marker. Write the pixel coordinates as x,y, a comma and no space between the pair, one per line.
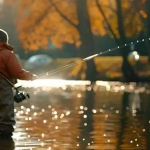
15,69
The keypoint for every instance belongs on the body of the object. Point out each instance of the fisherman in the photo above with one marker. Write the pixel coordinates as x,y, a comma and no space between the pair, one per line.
11,69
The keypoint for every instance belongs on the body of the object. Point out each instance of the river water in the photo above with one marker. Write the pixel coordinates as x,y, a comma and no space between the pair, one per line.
64,115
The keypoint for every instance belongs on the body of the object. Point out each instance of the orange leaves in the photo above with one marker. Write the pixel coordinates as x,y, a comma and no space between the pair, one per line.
41,21
144,15
132,20
99,26
126,4
56,20
96,18
63,35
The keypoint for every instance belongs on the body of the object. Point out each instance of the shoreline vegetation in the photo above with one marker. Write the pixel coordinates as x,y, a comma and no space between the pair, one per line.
108,68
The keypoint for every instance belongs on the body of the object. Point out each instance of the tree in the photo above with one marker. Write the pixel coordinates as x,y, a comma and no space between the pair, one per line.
75,22
53,22
72,27
125,23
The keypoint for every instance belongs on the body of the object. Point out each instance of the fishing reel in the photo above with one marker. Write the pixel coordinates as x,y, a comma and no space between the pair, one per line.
20,96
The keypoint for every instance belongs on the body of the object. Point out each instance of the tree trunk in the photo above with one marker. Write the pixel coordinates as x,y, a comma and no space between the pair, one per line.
127,70
86,130
87,46
147,125
123,119
147,5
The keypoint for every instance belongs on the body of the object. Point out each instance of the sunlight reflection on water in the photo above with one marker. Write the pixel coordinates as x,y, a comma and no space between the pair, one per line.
57,83
76,115
51,83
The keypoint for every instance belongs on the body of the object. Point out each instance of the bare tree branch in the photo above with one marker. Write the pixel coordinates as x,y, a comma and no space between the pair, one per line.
38,21
61,14
43,15
137,7
108,6
106,20
130,22
129,10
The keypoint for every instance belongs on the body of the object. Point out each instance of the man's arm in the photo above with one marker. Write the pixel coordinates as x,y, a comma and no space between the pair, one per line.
16,70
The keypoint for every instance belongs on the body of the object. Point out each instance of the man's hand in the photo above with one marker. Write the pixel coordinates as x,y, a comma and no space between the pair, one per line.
34,77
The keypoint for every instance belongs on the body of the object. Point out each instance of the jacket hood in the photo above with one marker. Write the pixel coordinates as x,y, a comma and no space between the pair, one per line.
4,45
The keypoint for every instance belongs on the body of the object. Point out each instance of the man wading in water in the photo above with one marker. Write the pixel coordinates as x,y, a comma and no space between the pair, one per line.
11,69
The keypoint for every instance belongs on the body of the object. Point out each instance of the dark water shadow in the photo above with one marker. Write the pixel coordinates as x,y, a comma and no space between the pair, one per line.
139,121
83,125
147,121
87,121
7,144
123,119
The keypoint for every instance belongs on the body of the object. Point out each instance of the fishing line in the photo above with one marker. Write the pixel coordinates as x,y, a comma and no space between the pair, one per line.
57,70
86,59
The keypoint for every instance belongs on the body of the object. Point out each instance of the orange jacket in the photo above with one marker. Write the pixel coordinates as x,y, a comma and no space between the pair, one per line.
9,64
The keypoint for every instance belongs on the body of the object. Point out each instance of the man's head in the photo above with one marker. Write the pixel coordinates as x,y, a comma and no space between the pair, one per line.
3,36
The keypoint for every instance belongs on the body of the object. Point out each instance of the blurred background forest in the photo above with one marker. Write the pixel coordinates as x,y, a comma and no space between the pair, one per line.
68,30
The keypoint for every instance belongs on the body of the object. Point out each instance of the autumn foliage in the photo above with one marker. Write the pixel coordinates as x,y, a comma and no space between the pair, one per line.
42,21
